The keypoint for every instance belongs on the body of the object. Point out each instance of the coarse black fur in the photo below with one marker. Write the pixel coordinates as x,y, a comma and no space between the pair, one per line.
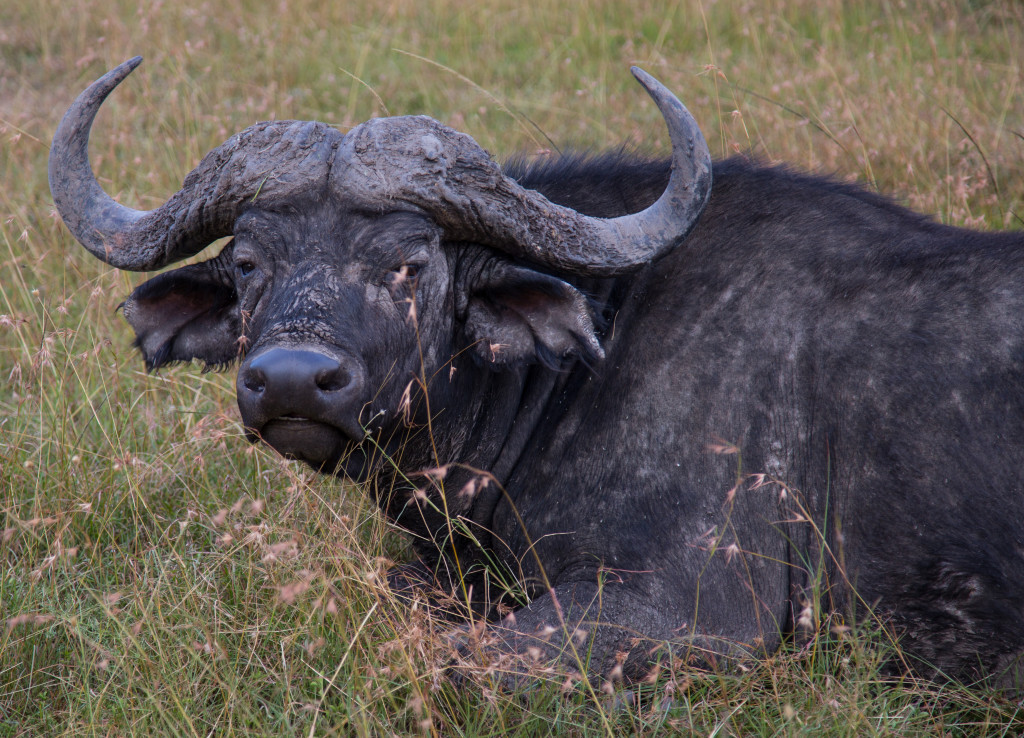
817,390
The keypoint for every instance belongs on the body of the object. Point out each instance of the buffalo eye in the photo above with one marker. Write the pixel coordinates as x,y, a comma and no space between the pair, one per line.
403,278
244,267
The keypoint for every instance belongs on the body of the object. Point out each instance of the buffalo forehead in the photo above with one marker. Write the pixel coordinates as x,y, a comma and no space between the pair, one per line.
277,160
411,159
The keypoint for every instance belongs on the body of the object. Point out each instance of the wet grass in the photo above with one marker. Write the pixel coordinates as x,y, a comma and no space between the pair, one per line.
159,576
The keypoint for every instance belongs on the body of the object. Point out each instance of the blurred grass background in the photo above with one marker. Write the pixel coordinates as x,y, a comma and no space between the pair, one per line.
160,576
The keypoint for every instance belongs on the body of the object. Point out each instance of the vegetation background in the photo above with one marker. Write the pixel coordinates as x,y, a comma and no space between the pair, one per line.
159,576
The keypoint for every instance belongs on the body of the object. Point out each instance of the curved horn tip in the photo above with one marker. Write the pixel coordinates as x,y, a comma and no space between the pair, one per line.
650,83
131,64
122,70
115,76
642,76
661,95
106,84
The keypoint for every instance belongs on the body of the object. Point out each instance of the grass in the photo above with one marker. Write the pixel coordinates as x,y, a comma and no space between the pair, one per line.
159,576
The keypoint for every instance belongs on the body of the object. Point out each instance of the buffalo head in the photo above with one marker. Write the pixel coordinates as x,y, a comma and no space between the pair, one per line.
365,269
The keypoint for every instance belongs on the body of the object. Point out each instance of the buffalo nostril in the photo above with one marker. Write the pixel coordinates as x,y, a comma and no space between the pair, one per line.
254,380
333,379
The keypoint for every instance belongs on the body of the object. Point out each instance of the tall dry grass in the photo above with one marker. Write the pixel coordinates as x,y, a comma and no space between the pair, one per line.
159,576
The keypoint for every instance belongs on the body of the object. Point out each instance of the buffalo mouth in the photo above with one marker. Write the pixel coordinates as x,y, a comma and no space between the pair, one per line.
321,445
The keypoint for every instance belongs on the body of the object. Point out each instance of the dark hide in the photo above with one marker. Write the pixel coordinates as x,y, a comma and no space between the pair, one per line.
818,388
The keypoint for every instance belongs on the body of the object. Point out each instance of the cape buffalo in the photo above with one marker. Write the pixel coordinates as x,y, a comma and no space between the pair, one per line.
675,414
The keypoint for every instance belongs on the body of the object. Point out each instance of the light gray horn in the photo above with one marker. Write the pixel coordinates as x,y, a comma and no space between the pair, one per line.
272,160
419,162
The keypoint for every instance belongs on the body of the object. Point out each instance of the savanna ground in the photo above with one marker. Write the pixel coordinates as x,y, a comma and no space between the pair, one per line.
159,576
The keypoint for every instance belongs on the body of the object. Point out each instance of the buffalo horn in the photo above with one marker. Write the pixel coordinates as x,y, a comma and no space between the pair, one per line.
418,162
272,160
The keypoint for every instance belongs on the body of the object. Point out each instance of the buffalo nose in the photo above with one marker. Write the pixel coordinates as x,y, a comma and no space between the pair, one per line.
293,382
294,372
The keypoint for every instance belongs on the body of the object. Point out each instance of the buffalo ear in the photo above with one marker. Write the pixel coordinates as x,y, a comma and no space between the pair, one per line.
516,315
187,313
